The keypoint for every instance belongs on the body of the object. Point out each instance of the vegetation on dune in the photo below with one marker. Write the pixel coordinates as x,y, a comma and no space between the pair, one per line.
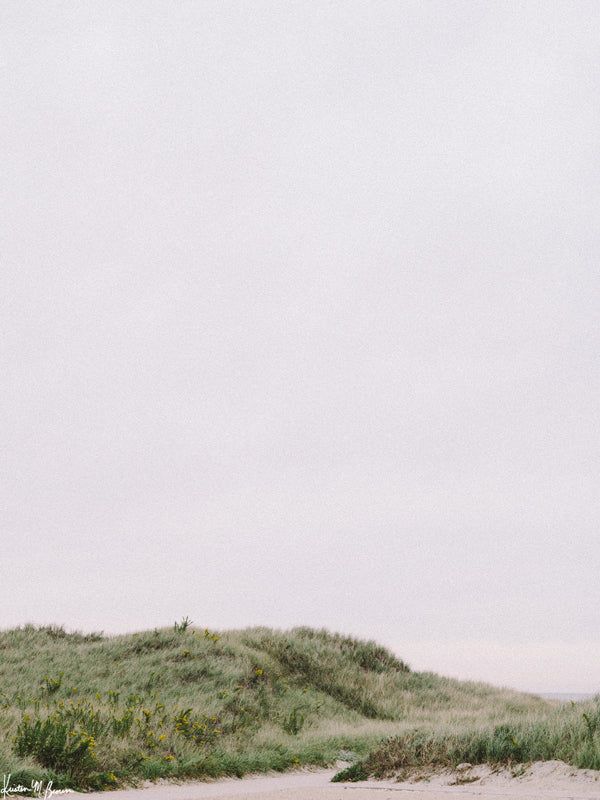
89,711
569,733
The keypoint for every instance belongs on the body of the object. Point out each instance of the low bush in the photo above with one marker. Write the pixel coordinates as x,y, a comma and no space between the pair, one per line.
53,745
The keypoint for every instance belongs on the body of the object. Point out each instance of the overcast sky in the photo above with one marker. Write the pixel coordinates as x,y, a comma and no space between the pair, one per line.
299,324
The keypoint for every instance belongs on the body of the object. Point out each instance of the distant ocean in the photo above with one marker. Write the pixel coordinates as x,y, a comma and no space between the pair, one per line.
573,696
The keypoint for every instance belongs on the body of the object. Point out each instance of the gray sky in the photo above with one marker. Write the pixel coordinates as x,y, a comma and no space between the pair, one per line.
299,324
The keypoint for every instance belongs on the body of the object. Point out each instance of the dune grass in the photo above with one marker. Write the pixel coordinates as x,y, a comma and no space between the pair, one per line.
569,733
90,711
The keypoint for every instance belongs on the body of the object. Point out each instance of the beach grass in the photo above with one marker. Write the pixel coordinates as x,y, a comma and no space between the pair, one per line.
568,732
92,711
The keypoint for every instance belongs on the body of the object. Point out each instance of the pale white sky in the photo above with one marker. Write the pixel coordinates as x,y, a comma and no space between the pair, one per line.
299,324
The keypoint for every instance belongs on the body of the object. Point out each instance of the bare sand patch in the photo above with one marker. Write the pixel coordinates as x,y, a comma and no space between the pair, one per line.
553,780
543,779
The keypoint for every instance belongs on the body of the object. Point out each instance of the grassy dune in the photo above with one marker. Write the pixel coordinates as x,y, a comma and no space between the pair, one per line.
91,711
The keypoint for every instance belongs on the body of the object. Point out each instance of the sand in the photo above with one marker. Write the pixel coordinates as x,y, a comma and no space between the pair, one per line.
549,779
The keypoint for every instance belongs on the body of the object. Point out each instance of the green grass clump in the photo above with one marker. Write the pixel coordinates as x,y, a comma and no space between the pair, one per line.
91,711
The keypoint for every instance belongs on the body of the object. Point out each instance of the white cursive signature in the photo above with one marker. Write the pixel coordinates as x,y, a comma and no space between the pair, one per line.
35,790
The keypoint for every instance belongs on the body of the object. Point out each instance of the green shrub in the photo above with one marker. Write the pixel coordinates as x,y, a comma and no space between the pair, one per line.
200,729
53,745
122,725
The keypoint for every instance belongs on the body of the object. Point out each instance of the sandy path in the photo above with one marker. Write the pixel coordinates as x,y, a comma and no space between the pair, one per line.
551,780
